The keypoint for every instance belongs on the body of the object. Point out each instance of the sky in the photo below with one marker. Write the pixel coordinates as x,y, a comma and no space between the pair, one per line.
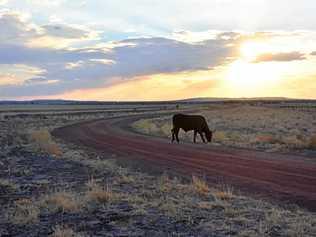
156,49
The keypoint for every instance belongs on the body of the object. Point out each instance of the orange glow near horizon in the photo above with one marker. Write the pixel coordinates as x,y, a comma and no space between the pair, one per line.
153,87
238,82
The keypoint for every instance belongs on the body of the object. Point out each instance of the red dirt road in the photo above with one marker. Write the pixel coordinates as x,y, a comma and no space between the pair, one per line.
283,178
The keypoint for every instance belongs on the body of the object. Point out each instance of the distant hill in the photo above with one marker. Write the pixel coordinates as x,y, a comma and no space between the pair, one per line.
189,100
50,102
212,99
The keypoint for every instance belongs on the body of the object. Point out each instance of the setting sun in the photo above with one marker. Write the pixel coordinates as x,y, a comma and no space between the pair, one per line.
251,49
250,78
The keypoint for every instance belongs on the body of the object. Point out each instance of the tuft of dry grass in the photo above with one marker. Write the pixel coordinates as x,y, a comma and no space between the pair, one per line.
126,179
146,126
220,136
170,208
200,185
312,142
8,183
24,212
62,201
266,138
164,183
98,193
43,141
225,193
295,142
205,205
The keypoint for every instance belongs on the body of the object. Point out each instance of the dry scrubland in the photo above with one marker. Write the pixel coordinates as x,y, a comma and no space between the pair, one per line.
269,129
49,188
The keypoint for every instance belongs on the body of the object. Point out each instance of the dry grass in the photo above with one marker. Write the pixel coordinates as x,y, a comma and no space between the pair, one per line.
205,205
43,141
64,231
159,126
266,138
164,184
126,179
214,211
220,136
224,193
170,208
64,201
312,142
269,129
295,141
98,193
146,126
8,183
200,185
24,212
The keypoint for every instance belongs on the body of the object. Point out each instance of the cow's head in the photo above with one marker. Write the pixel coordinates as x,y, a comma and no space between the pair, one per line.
209,135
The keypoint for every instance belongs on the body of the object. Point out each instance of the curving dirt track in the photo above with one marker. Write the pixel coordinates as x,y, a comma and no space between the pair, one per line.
287,179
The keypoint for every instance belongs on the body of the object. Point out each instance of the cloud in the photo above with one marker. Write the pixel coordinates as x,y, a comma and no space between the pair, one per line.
16,28
47,3
94,67
157,55
66,31
279,57
17,74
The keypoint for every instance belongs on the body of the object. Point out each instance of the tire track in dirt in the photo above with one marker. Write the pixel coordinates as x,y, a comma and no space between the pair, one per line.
289,179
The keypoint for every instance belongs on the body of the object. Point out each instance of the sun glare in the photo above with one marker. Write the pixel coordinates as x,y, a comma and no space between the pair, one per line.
248,78
250,50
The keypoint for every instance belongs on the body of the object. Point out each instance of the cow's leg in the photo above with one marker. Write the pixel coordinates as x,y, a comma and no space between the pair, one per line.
201,134
194,136
176,132
172,131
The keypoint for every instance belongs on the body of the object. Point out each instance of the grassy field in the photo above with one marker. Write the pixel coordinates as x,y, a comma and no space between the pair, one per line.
252,127
50,188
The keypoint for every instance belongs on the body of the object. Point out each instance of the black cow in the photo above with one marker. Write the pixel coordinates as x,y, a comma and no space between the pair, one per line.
197,123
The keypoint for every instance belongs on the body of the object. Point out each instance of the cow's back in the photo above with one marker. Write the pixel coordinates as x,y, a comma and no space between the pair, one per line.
188,122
